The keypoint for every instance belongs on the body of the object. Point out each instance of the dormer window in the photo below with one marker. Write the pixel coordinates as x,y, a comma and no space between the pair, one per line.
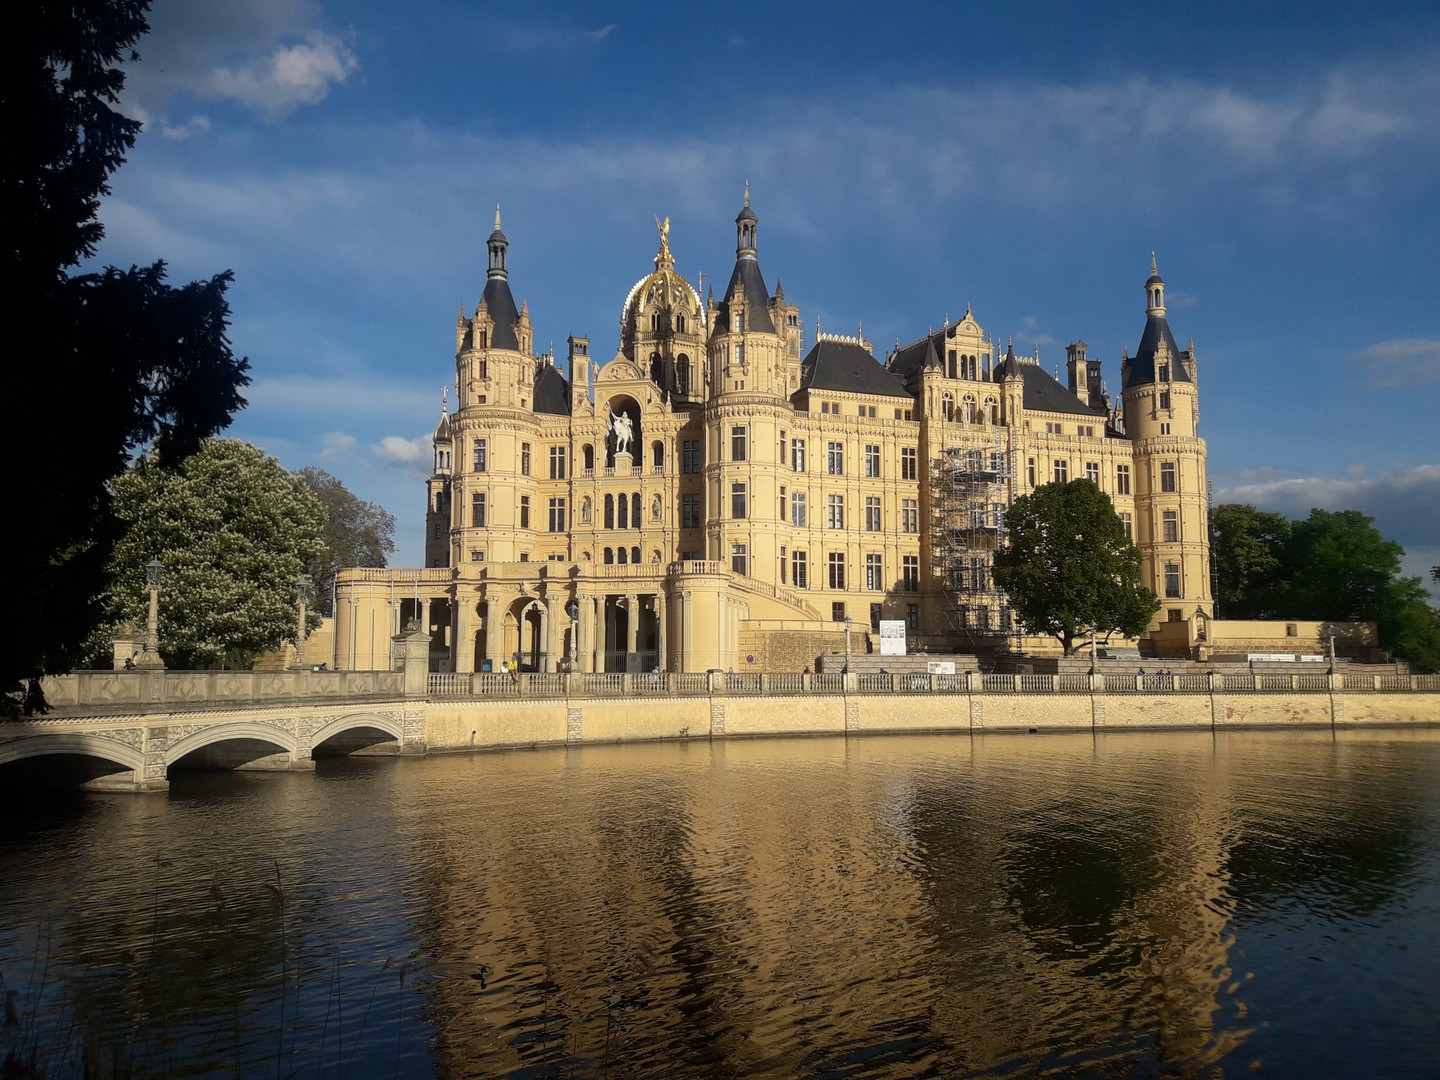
740,322
1164,372
680,323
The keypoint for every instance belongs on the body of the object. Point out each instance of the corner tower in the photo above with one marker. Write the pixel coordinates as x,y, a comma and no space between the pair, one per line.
1162,414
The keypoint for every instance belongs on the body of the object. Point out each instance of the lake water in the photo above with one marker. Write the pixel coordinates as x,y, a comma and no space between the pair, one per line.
1179,904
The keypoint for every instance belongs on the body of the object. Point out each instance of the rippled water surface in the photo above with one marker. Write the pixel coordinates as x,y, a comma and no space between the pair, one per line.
1153,905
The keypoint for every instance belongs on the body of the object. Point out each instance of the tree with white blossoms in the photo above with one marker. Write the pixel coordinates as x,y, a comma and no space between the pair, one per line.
235,532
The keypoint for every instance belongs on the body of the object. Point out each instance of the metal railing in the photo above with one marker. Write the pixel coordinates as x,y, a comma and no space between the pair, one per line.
780,684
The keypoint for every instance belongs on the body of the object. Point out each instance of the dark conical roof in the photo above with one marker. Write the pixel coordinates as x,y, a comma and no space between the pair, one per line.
1141,369
747,281
501,303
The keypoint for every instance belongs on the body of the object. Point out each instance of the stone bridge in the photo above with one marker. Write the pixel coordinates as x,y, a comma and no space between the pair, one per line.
125,731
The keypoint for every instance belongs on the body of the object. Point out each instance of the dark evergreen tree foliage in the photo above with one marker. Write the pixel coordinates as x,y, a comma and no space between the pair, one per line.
1068,566
1245,547
103,364
358,533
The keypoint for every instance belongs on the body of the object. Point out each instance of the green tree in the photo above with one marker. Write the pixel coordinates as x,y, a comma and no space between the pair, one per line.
235,531
1338,566
1246,550
1068,566
357,533
111,362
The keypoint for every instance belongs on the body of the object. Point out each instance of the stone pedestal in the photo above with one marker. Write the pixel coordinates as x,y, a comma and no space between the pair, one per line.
624,463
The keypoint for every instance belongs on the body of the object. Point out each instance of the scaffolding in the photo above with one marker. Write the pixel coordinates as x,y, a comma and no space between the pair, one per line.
974,483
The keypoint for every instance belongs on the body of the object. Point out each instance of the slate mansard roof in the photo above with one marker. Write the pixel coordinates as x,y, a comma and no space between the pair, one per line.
849,367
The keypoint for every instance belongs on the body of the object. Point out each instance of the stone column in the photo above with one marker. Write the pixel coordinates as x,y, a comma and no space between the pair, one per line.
464,647
687,633
547,634
494,637
661,628
597,632
632,627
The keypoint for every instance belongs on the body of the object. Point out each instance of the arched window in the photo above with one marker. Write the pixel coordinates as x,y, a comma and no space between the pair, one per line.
624,555
609,511
654,320
680,324
947,406
657,455
992,410
682,373
634,554
635,513
623,521
587,452
967,408
609,556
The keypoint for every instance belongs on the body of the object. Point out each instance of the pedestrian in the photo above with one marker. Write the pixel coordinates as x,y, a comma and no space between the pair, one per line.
807,670
129,663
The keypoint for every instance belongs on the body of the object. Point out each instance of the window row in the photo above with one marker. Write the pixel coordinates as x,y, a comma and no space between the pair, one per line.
798,565
556,521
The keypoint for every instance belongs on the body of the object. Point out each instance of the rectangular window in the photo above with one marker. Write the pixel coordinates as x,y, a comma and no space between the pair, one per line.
837,569
835,511
910,573
476,555
739,559
737,444
690,510
784,503
1128,521
690,456
835,458
1053,429
872,513
837,611
1031,472
524,511
1172,579
872,460
1122,479
557,515
557,463
798,514
1164,399
910,515
908,469
738,508
783,444
1092,472
825,408
1167,476
874,572
875,617
1060,471
799,570
797,455
783,568
479,455
912,616
477,510
1165,428
524,459
1170,526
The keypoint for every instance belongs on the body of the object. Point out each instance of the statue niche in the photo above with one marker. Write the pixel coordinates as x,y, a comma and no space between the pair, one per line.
622,430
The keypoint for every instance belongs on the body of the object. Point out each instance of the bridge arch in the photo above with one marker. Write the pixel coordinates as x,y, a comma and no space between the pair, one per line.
70,760
232,745
355,731
73,743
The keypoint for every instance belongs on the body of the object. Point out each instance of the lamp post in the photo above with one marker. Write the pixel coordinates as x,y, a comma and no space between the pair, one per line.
847,644
572,611
150,656
302,593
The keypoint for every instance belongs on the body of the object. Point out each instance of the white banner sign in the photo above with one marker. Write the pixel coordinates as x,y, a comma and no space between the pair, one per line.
892,637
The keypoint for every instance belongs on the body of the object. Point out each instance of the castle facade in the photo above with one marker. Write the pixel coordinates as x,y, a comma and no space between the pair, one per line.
721,493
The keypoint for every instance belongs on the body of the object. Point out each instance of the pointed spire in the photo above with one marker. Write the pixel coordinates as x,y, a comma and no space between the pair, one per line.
1154,270
497,217
747,193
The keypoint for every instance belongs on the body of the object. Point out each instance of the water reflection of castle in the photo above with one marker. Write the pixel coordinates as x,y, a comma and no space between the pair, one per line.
769,908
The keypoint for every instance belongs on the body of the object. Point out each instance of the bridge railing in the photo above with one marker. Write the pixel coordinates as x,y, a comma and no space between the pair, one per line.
107,690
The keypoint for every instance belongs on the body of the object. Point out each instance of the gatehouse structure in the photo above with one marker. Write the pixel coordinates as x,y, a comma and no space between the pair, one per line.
722,493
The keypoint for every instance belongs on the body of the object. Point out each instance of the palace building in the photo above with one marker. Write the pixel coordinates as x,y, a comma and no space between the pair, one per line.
721,493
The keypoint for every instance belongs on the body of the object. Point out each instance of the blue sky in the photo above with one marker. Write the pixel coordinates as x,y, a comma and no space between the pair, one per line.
905,159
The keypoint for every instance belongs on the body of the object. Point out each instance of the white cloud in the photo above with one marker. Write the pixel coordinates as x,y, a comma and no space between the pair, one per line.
1402,361
1404,501
338,446
602,33
196,125
394,451
290,76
